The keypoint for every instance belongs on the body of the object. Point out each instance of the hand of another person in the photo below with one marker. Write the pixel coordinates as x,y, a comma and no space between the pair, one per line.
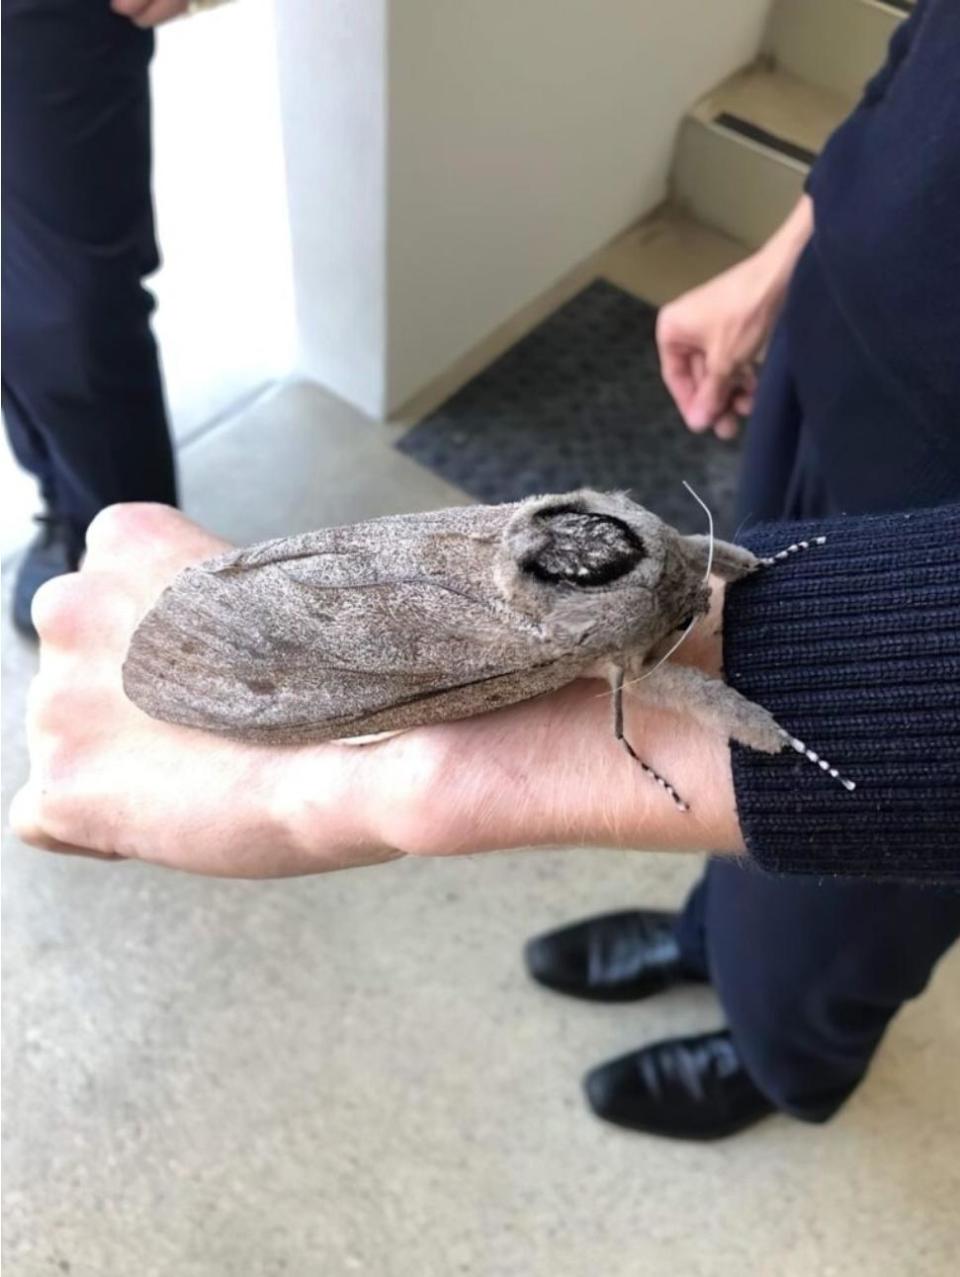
149,13
710,341
109,781
711,338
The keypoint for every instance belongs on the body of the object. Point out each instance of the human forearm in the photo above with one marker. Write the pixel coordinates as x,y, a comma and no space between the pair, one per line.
550,773
774,262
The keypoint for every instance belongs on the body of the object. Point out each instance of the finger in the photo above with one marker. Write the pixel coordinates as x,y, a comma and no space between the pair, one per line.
26,823
742,403
84,611
726,427
676,368
711,401
151,537
129,8
698,365
73,703
159,11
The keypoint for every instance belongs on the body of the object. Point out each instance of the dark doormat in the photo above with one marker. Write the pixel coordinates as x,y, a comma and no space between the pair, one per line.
579,402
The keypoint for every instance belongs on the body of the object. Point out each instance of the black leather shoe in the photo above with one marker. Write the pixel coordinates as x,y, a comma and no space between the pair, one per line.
685,1088
616,957
54,551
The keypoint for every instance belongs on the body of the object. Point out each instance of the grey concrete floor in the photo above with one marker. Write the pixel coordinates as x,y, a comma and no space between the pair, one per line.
351,1073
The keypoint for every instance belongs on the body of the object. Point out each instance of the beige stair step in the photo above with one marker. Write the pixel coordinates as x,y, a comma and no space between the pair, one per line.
834,44
745,148
667,254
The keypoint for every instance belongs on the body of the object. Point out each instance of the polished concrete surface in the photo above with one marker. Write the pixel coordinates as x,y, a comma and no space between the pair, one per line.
352,1074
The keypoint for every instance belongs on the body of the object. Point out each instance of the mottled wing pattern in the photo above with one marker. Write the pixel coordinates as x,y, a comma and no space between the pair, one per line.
342,632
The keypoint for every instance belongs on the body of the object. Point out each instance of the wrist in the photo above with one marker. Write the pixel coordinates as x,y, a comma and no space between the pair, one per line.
697,763
773,263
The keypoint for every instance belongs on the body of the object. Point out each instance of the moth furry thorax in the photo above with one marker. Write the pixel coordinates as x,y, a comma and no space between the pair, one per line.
421,618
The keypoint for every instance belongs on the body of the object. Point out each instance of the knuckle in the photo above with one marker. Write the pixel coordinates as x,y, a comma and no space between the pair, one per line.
111,527
79,612
119,526
55,605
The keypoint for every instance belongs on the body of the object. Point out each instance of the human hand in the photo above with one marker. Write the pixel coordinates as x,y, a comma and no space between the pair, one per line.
108,781
711,338
149,13
710,341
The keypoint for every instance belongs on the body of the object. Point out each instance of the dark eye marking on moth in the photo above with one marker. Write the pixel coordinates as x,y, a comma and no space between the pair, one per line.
583,549
491,610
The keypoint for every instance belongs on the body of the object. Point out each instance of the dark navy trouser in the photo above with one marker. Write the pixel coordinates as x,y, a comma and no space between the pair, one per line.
82,396
810,971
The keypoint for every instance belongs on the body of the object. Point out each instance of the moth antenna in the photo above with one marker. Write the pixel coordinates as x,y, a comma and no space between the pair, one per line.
813,757
740,526
706,577
700,501
792,549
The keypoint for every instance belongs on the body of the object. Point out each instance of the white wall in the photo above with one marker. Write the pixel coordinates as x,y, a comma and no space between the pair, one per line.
225,314
332,71
522,135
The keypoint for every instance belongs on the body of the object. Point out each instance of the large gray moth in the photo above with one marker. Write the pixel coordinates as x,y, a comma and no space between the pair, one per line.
421,618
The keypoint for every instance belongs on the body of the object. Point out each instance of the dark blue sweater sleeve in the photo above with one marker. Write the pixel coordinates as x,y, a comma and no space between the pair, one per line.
876,87
855,647
898,48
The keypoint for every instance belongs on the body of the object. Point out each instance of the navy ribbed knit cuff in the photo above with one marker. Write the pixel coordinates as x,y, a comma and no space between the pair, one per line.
855,647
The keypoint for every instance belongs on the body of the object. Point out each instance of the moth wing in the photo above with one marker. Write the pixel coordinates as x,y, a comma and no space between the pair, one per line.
341,632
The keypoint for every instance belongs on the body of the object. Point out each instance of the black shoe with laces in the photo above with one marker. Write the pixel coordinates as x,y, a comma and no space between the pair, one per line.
55,550
685,1088
615,957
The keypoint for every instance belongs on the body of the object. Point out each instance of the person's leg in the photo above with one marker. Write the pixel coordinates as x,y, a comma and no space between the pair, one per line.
82,395
810,973
690,929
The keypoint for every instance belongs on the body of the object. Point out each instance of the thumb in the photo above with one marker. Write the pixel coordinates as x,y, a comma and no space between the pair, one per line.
712,397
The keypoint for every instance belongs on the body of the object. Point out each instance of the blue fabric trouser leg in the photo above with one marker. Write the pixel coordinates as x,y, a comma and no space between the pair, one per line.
82,394
810,972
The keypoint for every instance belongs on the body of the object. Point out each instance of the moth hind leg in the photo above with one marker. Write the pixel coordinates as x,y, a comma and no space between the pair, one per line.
620,735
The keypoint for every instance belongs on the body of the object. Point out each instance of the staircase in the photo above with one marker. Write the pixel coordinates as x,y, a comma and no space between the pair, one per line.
741,157
743,151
